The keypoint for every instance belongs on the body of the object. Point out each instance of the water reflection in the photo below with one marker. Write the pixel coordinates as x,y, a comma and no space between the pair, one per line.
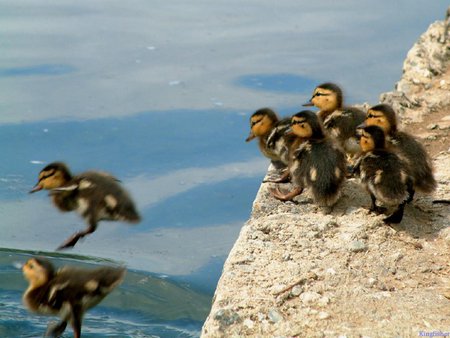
159,93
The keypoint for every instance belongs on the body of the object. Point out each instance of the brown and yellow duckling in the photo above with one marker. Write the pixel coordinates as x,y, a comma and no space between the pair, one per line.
406,147
383,174
68,292
318,164
96,196
339,121
274,142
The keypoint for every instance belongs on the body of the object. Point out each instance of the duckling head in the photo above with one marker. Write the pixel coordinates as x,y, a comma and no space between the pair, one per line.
382,115
53,176
326,97
38,271
372,137
261,123
306,124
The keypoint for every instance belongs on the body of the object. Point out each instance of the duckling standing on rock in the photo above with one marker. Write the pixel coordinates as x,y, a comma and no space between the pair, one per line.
339,121
406,147
383,174
68,292
274,142
95,195
317,164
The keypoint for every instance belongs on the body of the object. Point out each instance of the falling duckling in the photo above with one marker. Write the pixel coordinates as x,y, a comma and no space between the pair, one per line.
406,147
339,121
383,174
68,292
318,163
96,196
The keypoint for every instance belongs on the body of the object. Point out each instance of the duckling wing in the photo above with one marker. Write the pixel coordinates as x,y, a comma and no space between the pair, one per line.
84,287
106,197
342,124
417,160
280,130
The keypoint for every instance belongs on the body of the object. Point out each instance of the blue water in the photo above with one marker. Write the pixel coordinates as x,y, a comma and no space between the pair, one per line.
159,93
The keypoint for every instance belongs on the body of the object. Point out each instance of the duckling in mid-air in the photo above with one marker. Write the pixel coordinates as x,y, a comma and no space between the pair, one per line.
383,174
339,121
317,164
406,147
68,292
96,196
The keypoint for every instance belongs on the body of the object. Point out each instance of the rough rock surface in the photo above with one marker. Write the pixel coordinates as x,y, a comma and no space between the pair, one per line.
296,271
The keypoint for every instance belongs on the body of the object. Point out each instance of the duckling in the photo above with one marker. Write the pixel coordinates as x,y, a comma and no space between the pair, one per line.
274,141
383,174
271,132
96,196
318,163
339,121
68,292
407,148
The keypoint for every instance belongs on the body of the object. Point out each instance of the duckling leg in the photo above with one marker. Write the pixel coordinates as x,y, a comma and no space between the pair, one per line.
75,321
55,329
397,215
374,207
72,240
288,196
411,193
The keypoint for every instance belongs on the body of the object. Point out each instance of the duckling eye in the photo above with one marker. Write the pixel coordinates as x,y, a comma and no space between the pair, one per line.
256,122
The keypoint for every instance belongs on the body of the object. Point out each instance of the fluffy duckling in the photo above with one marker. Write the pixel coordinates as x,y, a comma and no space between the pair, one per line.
317,164
406,147
68,292
339,121
383,174
96,196
274,142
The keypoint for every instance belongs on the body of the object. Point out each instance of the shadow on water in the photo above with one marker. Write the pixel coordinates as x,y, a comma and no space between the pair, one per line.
144,305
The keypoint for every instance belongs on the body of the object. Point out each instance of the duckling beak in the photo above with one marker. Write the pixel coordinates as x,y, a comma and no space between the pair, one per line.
250,137
37,187
362,125
308,104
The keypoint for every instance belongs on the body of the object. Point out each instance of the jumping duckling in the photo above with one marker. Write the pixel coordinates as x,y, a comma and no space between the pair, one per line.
271,131
96,196
407,148
318,163
383,174
68,292
339,121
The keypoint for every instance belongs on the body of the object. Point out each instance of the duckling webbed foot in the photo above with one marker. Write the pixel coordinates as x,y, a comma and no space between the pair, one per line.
55,329
288,196
284,178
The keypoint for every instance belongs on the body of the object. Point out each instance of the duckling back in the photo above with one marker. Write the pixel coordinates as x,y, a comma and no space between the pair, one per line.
416,159
103,195
385,176
85,286
342,125
319,165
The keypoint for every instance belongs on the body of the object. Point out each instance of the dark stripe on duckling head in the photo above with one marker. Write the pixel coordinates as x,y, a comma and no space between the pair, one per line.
58,166
335,89
313,120
389,113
